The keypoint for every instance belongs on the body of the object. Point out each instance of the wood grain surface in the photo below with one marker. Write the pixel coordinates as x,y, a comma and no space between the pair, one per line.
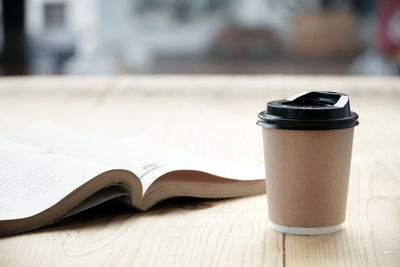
211,116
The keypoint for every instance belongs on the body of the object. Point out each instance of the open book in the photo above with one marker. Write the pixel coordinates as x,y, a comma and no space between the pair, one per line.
49,172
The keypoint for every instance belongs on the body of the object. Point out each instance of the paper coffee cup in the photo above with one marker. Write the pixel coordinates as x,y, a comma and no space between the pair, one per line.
308,141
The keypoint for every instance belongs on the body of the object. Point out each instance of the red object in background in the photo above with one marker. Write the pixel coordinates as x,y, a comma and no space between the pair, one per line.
389,26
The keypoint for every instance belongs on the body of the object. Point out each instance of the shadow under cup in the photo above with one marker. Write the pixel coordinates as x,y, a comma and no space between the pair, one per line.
307,151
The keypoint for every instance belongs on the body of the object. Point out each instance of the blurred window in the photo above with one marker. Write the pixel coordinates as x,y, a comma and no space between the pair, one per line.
54,15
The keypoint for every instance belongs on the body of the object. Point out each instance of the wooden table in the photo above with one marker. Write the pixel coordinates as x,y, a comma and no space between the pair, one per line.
210,116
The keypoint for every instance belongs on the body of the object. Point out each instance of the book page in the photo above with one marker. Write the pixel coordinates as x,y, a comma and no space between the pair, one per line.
139,158
33,179
147,161
105,194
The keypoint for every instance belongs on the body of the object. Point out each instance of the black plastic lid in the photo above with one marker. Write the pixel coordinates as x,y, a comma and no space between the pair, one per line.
309,111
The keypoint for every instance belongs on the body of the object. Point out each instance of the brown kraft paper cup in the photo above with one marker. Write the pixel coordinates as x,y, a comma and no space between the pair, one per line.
307,176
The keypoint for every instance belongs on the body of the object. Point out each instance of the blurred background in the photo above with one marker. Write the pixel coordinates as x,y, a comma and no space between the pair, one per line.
338,37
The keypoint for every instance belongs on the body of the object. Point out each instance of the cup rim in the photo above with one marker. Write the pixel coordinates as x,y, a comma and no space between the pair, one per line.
307,230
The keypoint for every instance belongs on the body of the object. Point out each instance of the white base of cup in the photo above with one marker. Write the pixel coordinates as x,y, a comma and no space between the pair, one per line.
305,230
